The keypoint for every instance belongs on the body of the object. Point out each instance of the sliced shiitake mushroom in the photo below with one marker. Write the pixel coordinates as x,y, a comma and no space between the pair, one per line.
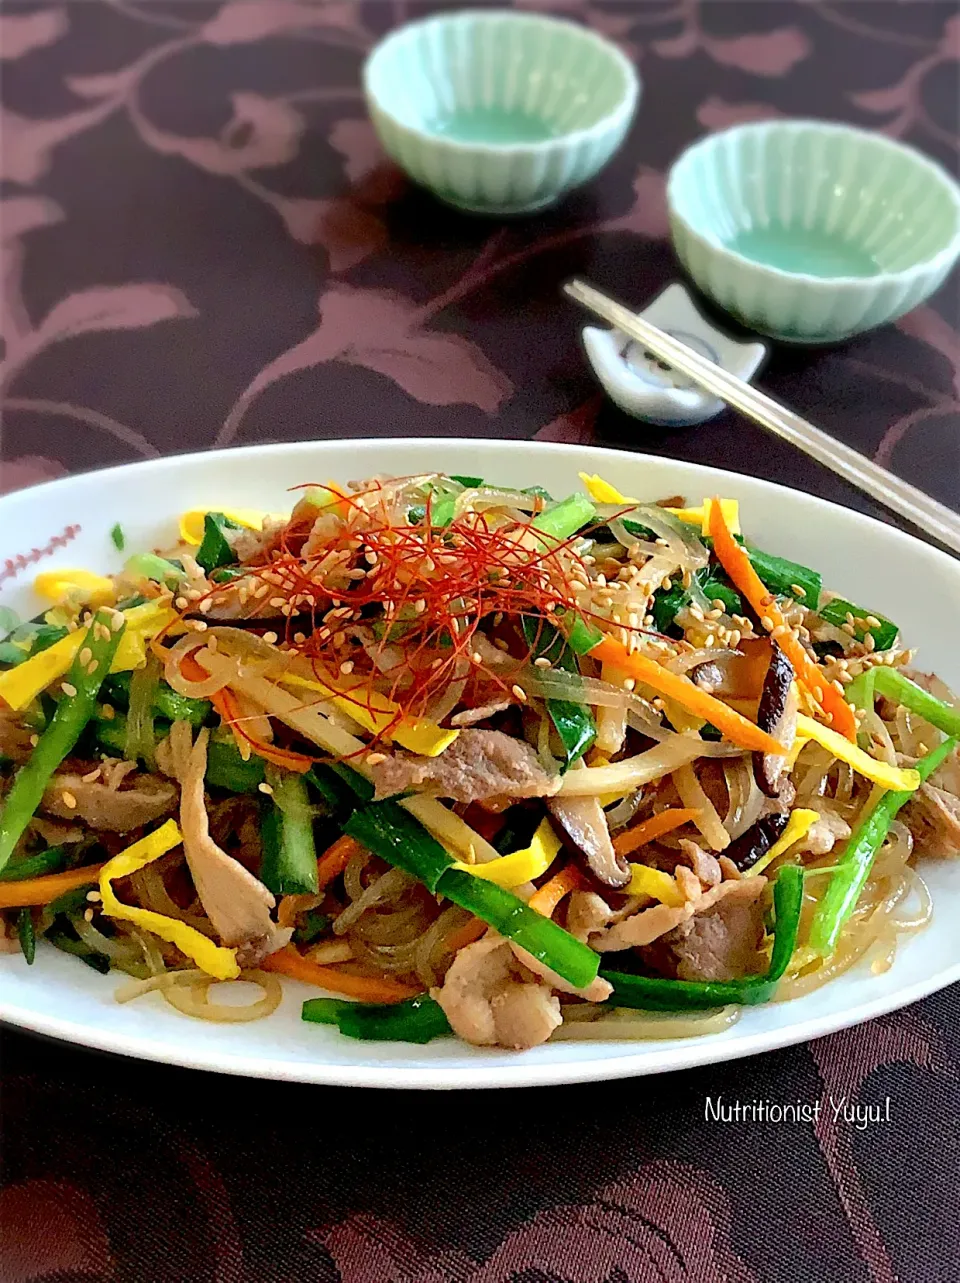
776,714
583,821
747,849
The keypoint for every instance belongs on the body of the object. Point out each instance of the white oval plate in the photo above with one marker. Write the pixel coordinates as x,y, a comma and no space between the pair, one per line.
866,561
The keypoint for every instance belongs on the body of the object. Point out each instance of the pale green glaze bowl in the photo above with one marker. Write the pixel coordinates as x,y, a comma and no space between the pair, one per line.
811,231
499,112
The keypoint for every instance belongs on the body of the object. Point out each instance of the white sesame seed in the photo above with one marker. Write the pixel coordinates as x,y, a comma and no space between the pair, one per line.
94,897
541,662
200,625
519,693
34,741
346,667
374,759
68,688
68,799
181,603
270,638
767,623
85,656
92,667
265,788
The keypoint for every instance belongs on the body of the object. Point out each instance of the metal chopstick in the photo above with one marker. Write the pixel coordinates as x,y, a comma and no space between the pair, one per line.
914,505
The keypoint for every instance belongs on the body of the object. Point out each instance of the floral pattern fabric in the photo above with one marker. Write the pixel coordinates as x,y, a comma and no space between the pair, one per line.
202,246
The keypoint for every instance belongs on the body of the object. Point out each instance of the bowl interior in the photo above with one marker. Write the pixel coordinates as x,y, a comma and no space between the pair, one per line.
497,78
819,201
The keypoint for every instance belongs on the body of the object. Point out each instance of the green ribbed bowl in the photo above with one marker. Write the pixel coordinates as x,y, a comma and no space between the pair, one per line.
810,231
499,112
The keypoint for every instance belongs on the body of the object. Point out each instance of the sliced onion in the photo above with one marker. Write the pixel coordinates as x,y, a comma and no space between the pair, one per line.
706,820
746,799
873,724
624,811
633,772
702,655
184,685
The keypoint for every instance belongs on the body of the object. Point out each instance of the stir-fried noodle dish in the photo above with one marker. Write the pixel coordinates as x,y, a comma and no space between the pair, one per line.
475,760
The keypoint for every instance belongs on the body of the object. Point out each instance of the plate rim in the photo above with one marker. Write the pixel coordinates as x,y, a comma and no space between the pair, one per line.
693,1053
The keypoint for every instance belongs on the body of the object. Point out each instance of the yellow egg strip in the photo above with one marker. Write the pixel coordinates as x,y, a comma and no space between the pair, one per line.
520,866
601,491
798,826
21,685
903,780
375,713
655,883
214,959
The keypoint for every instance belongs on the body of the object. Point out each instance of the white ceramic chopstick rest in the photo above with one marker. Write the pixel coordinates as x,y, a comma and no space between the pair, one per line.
645,387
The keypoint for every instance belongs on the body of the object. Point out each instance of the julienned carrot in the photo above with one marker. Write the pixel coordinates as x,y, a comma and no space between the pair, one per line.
225,702
335,859
676,686
655,827
467,934
366,988
740,569
546,899
33,891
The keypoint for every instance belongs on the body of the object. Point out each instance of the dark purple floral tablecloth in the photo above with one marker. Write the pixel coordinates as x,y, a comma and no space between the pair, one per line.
202,247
